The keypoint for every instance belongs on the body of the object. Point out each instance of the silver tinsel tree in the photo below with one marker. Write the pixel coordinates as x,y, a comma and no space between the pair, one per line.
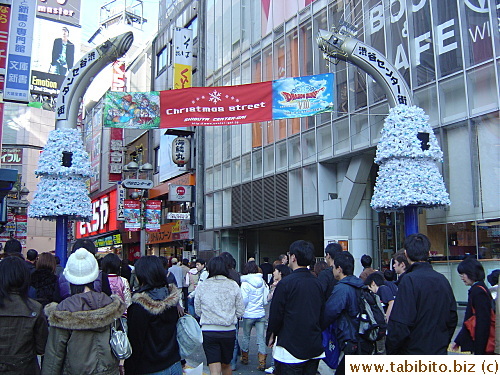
64,166
407,154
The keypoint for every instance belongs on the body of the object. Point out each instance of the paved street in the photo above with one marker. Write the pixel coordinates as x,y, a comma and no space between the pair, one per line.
251,368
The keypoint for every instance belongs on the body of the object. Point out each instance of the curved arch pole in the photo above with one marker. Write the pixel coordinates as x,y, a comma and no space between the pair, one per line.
75,84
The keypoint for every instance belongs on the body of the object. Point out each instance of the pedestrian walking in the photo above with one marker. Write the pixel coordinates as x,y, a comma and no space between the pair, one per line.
255,292
219,304
22,322
119,285
366,262
479,303
152,320
294,318
44,286
80,326
326,276
424,315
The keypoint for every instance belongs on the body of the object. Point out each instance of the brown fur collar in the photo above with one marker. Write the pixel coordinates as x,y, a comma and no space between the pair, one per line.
84,320
157,307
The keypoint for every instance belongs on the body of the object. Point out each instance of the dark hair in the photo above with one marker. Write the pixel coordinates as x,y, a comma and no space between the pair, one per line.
86,244
217,266
333,248
164,261
303,251
150,272
320,266
46,261
58,260
366,261
12,246
201,261
377,276
417,247
345,260
185,262
77,289
389,275
265,259
283,269
14,278
250,267
111,263
472,268
229,260
281,257
493,277
401,257
31,255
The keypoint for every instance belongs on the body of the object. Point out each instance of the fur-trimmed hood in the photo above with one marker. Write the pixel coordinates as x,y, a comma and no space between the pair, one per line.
108,309
154,306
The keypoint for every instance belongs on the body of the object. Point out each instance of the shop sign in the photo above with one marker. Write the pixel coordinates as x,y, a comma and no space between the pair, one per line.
138,184
179,193
120,199
181,151
109,240
132,215
178,216
103,217
164,235
12,156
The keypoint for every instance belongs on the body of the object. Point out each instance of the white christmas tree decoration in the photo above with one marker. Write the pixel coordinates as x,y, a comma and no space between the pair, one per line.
407,154
64,166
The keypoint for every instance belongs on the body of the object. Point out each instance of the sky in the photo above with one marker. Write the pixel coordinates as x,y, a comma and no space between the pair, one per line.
90,13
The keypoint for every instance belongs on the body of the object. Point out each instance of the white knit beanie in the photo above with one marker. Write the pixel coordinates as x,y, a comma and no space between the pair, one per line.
81,267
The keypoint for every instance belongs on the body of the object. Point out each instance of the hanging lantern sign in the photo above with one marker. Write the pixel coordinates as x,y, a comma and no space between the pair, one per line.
181,151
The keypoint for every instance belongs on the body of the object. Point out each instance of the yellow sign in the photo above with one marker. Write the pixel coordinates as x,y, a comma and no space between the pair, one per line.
182,76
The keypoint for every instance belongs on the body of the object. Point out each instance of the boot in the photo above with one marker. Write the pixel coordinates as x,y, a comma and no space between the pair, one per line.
262,362
244,357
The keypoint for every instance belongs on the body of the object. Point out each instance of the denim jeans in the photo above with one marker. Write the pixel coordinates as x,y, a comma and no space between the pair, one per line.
191,307
175,369
260,326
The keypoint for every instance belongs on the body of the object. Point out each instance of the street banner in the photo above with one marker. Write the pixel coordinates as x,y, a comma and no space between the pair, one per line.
4,35
183,58
132,212
17,83
21,227
153,214
132,110
302,96
223,105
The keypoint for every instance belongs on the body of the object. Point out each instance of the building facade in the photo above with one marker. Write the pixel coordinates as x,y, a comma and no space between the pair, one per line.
312,178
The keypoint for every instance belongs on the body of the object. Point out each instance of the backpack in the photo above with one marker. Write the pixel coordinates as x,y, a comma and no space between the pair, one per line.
371,317
189,336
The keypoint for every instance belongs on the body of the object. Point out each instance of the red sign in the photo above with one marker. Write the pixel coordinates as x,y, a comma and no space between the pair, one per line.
153,215
4,34
181,190
103,217
225,105
132,212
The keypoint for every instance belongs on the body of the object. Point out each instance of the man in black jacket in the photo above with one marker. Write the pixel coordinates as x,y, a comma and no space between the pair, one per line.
295,316
326,276
424,316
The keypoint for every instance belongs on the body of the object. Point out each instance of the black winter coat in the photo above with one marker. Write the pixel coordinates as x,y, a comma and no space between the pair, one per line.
424,315
44,287
295,314
327,281
480,299
152,331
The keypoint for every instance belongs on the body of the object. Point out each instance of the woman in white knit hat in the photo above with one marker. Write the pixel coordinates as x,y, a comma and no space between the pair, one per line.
80,326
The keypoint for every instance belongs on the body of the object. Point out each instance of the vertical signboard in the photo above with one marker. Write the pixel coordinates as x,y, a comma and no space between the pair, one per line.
120,201
132,211
17,83
183,58
153,214
4,36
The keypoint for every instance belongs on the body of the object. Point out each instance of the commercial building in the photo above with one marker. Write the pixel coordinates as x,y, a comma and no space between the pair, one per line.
267,184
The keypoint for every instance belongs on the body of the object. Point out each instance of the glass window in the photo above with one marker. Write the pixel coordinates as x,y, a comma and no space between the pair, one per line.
377,117
482,89
341,136
161,60
294,154
246,73
236,171
477,31
193,25
281,156
359,91
246,138
209,179
209,211
209,146
217,209
320,63
422,55
217,139
309,147
235,140
267,66
488,234
306,53
446,39
226,207
226,175
246,168
217,177
257,163
325,148
452,99
426,98
360,132
226,143
292,54
279,60
341,89
269,160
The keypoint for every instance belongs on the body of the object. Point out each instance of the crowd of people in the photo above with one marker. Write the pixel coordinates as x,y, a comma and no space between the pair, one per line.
58,321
